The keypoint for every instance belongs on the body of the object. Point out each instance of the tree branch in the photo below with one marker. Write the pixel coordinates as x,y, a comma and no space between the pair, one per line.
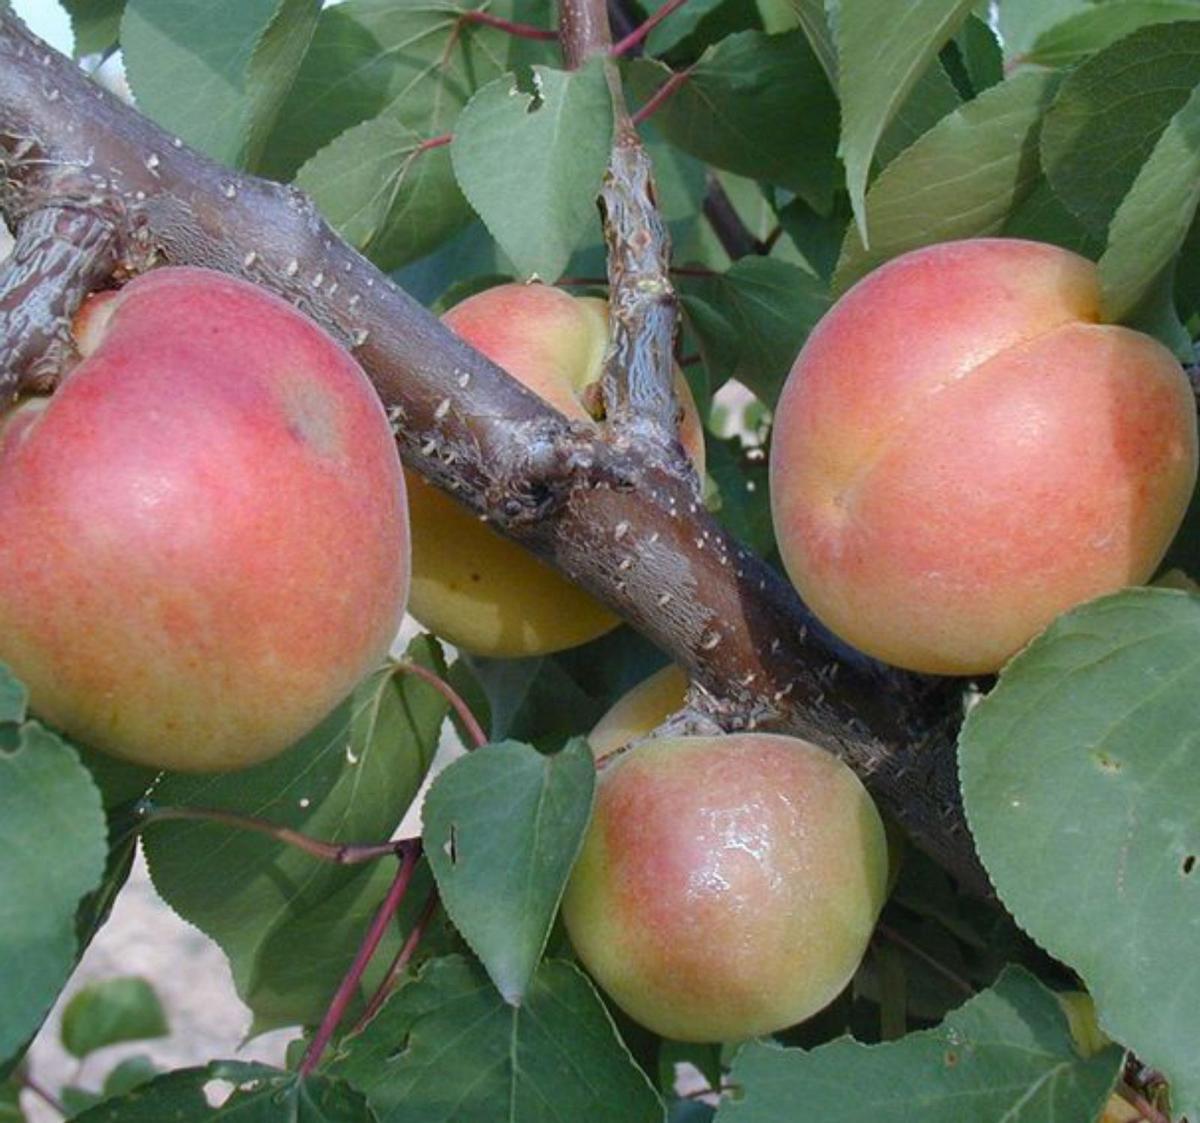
60,255
639,368
600,505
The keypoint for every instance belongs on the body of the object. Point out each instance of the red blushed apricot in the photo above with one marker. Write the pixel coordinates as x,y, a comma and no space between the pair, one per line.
471,586
205,531
961,453
727,886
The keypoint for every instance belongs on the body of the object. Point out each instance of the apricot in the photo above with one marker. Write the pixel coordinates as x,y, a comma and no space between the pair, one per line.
639,712
205,539
962,452
470,585
727,886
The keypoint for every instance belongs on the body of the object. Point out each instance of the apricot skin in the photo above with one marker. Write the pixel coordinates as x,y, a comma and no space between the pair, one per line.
639,712
205,533
962,452
471,586
727,886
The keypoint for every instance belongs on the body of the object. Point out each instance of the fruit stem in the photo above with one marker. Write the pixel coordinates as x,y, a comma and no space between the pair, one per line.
346,990
662,94
519,30
639,33
340,853
472,726
403,957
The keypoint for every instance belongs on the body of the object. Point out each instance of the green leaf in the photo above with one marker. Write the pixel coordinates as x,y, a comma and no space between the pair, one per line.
1105,706
1022,21
14,698
110,1011
981,54
10,1093
882,52
416,64
815,24
272,69
1006,1054
1095,28
350,780
245,1093
771,307
531,160
53,839
446,1048
131,1073
679,25
386,192
755,104
235,58
817,237
1043,217
960,180
932,98
503,827
96,24
1109,113
546,700
1153,219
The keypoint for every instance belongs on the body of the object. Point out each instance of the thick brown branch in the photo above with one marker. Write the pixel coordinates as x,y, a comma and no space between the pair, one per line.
61,254
603,506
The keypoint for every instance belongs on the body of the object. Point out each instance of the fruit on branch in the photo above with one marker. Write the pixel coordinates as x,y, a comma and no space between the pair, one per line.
636,714
205,536
727,886
471,586
962,452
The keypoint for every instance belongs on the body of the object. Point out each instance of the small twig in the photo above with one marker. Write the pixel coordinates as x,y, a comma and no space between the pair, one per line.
736,240
349,984
662,94
452,696
622,46
904,942
402,960
42,1094
519,30
343,854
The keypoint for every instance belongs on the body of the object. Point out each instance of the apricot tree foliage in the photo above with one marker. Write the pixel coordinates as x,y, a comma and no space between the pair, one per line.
750,161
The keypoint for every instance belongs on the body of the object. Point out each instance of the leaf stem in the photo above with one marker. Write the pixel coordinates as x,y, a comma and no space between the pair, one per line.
518,30
340,853
349,984
904,942
639,33
474,729
42,1094
662,94
402,960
